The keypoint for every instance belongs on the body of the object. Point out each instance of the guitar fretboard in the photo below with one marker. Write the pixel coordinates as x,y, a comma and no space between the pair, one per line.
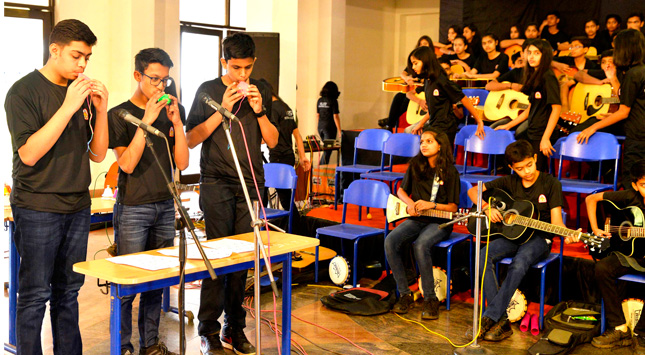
437,213
544,226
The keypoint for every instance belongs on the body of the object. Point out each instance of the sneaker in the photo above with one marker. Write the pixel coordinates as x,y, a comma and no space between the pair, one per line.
235,339
404,304
500,331
126,352
211,345
430,309
612,338
486,324
638,345
157,349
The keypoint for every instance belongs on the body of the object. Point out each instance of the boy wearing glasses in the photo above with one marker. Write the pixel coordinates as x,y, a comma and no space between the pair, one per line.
144,217
221,197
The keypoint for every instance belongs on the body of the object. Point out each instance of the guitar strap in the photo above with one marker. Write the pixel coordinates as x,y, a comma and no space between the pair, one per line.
435,187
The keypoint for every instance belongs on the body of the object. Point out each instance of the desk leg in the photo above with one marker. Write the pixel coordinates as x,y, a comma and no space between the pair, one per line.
14,267
286,305
115,321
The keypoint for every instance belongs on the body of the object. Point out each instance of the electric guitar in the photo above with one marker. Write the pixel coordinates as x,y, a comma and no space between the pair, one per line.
397,84
592,100
505,103
397,209
520,221
627,228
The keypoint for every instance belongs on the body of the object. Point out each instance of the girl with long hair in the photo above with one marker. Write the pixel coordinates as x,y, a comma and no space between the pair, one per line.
462,56
543,89
441,94
430,183
491,64
474,39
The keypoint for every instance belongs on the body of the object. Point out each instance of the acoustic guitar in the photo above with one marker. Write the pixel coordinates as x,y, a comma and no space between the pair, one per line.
564,75
397,84
592,100
397,209
510,51
505,103
415,112
521,220
627,228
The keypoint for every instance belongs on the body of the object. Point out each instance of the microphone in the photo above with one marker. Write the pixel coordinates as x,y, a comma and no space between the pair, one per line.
128,117
204,97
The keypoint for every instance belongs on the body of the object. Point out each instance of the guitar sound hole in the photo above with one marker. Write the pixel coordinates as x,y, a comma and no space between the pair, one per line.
623,230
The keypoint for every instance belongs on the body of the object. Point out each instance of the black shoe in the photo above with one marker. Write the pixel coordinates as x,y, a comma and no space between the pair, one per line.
612,338
404,304
486,324
638,345
126,352
500,331
430,309
235,339
157,349
211,345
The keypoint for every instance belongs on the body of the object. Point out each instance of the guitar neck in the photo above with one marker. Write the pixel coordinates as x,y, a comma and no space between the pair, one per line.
522,106
544,226
437,213
610,100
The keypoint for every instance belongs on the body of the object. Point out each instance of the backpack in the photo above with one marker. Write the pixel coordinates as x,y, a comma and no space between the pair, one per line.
565,326
363,301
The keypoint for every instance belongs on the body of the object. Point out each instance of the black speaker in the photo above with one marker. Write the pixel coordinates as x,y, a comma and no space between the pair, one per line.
267,52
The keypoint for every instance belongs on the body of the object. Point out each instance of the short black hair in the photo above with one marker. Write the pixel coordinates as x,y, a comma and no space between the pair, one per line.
615,17
595,21
607,53
239,45
636,14
515,56
151,55
637,171
71,30
555,13
518,151
585,41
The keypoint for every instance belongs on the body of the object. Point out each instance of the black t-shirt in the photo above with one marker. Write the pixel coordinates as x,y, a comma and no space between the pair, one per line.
470,61
541,99
607,37
326,109
632,95
554,39
570,61
441,94
488,66
601,43
59,181
545,193
420,188
626,198
512,76
216,160
283,116
146,183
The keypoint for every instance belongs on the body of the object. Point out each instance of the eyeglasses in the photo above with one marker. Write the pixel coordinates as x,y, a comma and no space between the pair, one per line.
574,47
154,81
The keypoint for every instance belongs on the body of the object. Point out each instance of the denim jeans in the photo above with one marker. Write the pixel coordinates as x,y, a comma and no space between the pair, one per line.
523,256
49,245
139,228
424,235
226,214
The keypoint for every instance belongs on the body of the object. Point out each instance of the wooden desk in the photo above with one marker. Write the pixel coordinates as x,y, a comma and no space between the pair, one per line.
128,280
101,211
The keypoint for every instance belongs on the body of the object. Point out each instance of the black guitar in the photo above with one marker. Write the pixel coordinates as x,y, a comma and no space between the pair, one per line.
627,228
520,221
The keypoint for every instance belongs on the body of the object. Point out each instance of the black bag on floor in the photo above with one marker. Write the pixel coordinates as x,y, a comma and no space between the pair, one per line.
567,325
363,301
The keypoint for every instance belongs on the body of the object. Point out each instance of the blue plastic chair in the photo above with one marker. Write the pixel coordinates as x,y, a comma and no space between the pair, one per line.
494,143
280,176
460,140
601,146
542,266
368,193
481,93
400,145
640,278
369,139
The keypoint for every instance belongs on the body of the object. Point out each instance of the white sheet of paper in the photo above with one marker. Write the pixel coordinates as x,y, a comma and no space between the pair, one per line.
145,261
193,253
234,245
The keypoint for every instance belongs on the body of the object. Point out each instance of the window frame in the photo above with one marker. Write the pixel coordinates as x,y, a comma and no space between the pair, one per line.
37,12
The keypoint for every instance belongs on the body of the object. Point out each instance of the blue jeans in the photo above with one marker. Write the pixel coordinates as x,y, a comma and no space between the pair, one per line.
49,245
424,235
139,228
523,255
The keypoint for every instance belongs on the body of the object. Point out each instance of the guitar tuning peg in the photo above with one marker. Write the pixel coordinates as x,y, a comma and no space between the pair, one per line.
593,249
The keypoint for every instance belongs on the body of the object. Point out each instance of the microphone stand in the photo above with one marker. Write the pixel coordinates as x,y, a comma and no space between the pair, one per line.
183,222
256,223
474,348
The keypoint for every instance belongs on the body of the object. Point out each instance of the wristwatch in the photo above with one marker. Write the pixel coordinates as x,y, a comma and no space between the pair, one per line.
261,113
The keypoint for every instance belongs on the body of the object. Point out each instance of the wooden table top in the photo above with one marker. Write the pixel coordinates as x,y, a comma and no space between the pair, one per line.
281,243
99,205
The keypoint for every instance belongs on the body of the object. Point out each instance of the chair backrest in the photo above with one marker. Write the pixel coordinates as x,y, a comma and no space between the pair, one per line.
601,146
368,193
495,142
402,145
370,139
464,200
466,132
481,93
280,176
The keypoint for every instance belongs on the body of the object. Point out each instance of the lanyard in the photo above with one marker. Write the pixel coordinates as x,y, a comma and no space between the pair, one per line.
435,188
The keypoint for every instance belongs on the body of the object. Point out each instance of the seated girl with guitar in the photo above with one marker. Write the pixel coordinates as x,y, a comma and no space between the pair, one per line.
431,184
447,48
491,64
515,32
461,56
530,32
617,263
545,193
541,86
441,94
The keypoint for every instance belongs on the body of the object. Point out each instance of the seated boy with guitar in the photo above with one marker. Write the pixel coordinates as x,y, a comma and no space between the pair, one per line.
544,192
626,257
